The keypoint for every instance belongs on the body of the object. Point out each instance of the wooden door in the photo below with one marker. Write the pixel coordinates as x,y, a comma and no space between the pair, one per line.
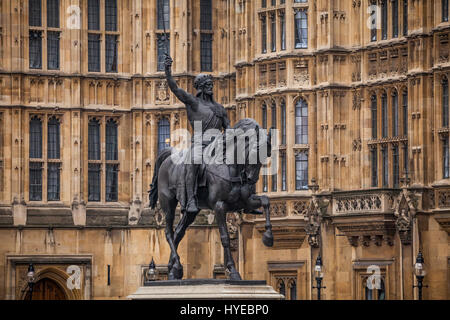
47,289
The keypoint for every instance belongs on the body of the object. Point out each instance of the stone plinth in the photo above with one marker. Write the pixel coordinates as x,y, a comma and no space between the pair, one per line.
206,289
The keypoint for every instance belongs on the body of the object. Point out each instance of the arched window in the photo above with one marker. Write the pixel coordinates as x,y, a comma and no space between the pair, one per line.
446,160
264,116
94,140
163,12
374,111
445,105
301,30
374,166
263,34
111,140
53,144
35,138
395,114
293,290
384,116
301,122
301,171
281,287
163,134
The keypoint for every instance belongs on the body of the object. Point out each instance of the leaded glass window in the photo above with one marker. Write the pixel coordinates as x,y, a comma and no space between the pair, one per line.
446,162
205,15
395,114
405,113
94,53
53,13
94,140
282,32
445,103
384,17
283,172
405,17
206,52
265,183
374,167
384,116
301,30
274,115
53,139
35,181
374,112
283,122
301,122
94,14
405,157
112,182
111,53
53,182
35,138
35,49
395,167
162,43
264,116
385,164
394,18
263,34
163,11
94,185
53,50
111,140
263,3
35,13
301,171
111,15
273,33
445,10
373,24
163,134
293,290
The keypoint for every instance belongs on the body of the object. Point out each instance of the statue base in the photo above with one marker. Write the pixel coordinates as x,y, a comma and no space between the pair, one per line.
206,289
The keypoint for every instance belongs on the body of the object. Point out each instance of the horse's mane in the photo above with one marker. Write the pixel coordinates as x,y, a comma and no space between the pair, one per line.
246,124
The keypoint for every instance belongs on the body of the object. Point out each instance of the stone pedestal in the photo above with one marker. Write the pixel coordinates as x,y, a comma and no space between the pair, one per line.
206,289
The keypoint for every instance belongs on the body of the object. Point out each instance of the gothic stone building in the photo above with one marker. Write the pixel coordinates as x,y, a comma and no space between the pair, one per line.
358,90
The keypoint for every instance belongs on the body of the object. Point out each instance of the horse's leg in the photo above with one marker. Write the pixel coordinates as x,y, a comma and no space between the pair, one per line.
221,212
268,235
174,266
180,230
254,202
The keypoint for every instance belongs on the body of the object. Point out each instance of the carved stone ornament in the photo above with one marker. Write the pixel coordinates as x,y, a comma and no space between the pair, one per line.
405,207
317,208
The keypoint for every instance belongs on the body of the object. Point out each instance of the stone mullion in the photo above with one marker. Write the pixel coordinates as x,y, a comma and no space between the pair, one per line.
103,158
137,156
44,157
153,139
290,140
137,41
438,124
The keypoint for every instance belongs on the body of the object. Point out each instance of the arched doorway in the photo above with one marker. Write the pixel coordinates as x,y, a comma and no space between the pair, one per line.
46,289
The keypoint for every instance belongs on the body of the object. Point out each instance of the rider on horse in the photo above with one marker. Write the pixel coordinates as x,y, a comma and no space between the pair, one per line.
204,109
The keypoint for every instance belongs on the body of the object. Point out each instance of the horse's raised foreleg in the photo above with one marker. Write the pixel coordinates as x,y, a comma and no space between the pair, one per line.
254,202
220,211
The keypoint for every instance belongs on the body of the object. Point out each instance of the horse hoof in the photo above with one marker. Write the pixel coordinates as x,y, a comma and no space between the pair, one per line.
176,273
235,276
267,239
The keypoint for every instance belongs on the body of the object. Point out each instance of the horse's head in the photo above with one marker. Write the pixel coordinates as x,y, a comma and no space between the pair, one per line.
257,149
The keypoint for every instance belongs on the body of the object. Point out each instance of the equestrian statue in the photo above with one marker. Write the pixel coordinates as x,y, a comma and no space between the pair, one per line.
215,173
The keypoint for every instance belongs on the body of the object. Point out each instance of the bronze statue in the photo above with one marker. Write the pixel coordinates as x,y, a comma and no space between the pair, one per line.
223,188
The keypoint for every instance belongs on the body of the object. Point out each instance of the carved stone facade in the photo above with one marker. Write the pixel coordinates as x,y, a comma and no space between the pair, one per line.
356,215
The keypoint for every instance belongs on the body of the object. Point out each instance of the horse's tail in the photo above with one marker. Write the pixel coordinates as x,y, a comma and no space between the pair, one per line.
153,195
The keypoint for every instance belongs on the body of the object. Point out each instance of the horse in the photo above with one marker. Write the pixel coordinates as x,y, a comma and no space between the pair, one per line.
231,192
